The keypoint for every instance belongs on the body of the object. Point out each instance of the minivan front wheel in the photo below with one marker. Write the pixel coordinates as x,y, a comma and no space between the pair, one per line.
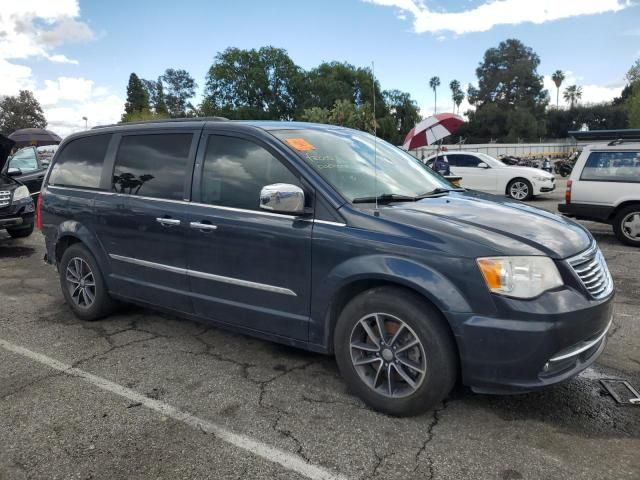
82,284
395,351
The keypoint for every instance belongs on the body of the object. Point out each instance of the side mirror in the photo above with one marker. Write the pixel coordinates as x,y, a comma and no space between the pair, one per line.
14,172
282,198
483,165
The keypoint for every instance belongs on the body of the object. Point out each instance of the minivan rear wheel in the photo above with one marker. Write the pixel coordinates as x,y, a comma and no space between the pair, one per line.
83,285
626,225
395,351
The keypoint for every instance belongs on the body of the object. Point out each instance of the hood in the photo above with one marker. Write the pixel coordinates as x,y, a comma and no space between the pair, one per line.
504,226
6,144
531,170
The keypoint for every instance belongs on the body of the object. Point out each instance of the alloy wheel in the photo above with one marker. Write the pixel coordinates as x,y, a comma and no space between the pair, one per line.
631,226
80,282
519,190
388,355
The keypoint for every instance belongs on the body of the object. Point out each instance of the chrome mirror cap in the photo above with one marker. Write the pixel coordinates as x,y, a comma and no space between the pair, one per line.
282,198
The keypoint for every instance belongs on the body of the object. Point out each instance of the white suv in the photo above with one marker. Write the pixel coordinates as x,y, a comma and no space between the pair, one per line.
605,187
480,171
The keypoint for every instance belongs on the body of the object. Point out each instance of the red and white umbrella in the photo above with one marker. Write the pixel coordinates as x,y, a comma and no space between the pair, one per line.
432,129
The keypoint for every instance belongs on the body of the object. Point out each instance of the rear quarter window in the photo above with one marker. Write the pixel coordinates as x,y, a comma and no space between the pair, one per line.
621,166
80,162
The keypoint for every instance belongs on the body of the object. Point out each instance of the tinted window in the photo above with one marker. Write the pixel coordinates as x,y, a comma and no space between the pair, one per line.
152,165
25,160
612,167
466,160
80,162
235,170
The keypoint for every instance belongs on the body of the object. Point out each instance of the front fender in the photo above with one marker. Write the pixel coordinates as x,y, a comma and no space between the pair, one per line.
423,279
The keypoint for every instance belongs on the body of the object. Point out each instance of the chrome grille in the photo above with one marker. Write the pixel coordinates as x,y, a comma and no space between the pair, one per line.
591,268
5,198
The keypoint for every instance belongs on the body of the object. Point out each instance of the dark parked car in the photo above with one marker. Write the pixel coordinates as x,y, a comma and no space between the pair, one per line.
28,168
16,206
287,231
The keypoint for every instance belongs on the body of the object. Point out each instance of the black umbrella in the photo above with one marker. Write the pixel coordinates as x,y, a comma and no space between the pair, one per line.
34,136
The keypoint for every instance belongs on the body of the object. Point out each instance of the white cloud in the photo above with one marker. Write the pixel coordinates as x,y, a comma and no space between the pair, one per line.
498,12
591,93
35,29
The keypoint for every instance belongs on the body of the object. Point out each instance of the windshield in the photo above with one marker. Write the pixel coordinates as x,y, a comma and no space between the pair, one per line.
345,158
25,160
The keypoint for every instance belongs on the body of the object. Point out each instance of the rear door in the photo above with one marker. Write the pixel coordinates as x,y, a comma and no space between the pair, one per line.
474,177
145,237
608,178
247,267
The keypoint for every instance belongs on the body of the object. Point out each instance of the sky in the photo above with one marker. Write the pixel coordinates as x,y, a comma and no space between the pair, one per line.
76,55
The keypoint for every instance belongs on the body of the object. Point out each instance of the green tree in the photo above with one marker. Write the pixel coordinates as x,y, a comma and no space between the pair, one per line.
155,92
181,87
402,117
315,115
572,94
558,78
434,83
633,75
137,98
510,99
21,111
602,116
253,84
633,106
454,85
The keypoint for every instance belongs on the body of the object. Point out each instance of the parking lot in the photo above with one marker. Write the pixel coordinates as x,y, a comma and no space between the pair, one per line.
146,395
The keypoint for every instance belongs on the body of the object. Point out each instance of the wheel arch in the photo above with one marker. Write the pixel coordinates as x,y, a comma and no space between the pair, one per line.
72,232
425,283
622,205
506,189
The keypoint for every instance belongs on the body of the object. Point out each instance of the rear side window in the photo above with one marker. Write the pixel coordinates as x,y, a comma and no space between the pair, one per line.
80,162
235,170
152,165
612,167
466,160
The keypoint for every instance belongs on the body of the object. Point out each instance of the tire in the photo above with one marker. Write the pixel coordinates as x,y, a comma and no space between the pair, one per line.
520,189
626,225
563,173
433,362
92,300
21,232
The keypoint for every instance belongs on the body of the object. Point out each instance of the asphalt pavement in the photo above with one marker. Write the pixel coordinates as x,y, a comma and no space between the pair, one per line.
146,395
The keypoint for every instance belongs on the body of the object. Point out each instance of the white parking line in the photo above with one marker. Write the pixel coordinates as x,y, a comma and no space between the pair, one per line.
288,460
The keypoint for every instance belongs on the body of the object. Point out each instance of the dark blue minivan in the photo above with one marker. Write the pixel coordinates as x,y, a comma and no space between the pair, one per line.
328,239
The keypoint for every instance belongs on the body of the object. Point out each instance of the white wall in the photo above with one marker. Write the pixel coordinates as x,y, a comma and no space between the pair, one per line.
524,150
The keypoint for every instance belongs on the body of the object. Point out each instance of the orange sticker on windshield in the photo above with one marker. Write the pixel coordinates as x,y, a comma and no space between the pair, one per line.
300,144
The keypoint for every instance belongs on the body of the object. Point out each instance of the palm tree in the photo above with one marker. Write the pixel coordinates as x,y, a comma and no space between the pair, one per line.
558,78
434,83
572,94
454,85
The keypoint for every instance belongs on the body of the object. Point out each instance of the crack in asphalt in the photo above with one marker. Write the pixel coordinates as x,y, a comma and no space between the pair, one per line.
27,385
380,459
434,422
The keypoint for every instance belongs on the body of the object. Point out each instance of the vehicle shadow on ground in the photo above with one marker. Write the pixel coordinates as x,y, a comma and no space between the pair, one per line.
11,248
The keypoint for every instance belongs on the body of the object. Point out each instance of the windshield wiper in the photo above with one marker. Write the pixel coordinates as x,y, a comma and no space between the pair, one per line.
385,198
439,191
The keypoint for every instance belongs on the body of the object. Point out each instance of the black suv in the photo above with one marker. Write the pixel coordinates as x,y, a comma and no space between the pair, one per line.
327,239
17,212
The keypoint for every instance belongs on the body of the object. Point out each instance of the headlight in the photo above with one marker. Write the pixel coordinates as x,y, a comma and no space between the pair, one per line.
520,277
541,178
20,193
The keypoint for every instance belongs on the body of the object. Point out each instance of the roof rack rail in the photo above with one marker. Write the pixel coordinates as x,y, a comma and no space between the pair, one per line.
165,120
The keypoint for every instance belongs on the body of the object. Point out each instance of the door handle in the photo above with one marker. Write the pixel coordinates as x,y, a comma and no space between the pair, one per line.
167,222
205,227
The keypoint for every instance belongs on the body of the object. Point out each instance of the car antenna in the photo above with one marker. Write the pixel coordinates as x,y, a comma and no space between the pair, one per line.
376,212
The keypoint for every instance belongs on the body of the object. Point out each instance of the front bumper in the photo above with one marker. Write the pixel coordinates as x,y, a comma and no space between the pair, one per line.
17,215
532,344
543,187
